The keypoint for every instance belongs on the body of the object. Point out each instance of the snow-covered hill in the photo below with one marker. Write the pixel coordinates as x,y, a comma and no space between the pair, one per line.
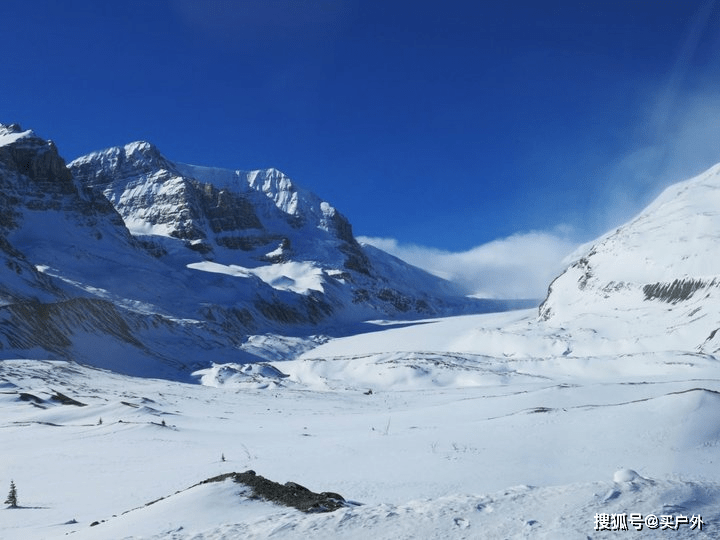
653,283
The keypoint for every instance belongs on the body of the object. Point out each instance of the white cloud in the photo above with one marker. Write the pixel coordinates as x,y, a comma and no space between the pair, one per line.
519,266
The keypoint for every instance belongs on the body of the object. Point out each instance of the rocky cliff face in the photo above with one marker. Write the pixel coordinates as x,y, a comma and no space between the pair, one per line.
211,210
35,159
34,181
35,177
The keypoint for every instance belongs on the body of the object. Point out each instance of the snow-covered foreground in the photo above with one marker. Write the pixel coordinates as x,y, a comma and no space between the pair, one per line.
456,428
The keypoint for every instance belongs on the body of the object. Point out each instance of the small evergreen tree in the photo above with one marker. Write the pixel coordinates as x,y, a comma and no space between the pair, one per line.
12,496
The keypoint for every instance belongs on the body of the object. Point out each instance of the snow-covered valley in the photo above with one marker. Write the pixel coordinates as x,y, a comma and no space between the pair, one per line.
426,439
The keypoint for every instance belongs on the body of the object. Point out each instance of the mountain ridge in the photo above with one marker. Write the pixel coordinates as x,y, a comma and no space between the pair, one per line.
176,266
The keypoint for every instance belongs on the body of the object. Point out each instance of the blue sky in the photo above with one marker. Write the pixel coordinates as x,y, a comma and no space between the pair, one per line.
439,128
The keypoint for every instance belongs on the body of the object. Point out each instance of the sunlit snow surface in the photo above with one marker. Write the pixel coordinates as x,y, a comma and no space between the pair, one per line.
8,136
484,426
299,277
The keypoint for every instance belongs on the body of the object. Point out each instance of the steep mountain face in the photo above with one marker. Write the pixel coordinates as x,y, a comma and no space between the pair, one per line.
126,260
39,201
655,280
63,249
221,214
259,224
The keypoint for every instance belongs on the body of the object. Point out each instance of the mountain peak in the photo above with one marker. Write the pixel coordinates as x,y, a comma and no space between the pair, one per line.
142,149
118,163
10,133
181,263
22,151
136,149
213,210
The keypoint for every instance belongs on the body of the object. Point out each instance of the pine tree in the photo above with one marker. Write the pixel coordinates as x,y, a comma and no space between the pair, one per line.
12,496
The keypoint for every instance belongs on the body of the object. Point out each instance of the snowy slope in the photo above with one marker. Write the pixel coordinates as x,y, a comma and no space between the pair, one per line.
653,281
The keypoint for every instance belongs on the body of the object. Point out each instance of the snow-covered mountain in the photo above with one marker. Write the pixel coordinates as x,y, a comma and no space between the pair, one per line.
172,266
259,226
228,216
653,283
41,204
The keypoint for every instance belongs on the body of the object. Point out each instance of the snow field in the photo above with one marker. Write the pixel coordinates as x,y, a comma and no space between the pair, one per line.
433,444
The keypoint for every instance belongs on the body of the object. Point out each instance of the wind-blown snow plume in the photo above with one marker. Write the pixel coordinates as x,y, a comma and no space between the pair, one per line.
519,266
675,135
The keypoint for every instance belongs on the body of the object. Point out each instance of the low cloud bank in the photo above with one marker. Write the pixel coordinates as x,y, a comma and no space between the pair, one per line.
519,266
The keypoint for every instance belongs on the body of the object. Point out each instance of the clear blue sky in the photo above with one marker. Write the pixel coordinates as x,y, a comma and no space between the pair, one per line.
445,123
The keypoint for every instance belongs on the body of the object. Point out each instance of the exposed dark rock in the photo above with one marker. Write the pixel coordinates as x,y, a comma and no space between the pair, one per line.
398,300
278,311
153,248
288,494
307,309
39,161
246,243
360,296
48,326
677,291
29,397
356,259
226,211
584,265
65,400
317,308
200,247
280,254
